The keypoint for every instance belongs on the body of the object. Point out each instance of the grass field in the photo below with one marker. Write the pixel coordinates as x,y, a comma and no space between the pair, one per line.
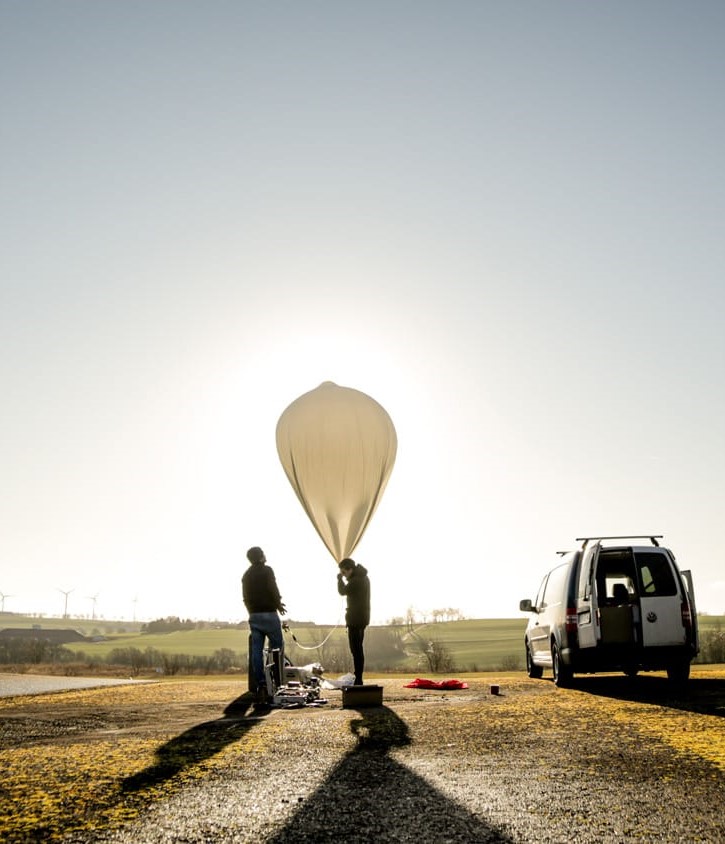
473,644
477,644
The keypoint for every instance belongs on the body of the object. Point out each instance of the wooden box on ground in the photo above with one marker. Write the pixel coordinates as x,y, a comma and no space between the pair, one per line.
356,696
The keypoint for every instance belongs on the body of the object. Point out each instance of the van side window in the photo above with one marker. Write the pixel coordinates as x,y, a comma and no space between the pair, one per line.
655,574
554,591
539,603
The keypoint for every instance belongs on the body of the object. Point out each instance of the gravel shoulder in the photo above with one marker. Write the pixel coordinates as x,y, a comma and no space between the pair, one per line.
19,685
193,761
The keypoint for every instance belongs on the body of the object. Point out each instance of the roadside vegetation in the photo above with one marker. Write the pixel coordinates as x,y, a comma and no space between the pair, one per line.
173,647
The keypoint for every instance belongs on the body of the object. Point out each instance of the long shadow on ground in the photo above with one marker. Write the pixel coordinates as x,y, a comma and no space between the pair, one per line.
702,695
369,796
198,743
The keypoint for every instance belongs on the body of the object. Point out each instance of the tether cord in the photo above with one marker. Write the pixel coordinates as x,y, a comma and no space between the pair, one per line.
313,647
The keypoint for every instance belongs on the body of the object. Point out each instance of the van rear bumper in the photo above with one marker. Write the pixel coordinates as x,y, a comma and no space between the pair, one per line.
619,658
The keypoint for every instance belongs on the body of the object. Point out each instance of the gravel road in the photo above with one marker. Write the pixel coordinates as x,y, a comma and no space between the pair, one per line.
607,761
14,685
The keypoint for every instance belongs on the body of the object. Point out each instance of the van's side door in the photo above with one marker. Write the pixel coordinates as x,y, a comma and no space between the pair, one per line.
551,609
660,599
539,630
586,606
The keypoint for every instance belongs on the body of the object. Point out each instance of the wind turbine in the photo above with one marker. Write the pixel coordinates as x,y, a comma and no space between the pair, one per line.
93,598
3,596
66,592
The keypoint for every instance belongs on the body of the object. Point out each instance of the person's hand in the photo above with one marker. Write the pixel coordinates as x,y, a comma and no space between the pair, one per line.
282,609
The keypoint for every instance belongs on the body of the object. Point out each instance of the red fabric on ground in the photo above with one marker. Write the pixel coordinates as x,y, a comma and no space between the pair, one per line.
420,683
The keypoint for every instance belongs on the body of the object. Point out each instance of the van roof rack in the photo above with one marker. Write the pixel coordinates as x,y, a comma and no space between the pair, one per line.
653,538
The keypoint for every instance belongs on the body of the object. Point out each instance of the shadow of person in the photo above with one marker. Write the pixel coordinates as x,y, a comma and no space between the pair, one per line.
241,705
703,695
197,744
369,796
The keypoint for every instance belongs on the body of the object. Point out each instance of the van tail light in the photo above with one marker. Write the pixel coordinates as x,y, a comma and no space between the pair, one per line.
570,620
686,619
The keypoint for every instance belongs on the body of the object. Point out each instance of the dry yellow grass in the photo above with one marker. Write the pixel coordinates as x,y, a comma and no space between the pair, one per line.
68,777
94,759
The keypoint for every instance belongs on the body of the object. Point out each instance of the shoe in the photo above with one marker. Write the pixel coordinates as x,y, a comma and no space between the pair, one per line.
262,696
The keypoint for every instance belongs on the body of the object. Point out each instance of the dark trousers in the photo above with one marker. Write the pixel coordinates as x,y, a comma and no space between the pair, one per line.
355,636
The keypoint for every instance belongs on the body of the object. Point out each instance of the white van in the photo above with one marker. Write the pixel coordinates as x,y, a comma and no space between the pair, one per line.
622,607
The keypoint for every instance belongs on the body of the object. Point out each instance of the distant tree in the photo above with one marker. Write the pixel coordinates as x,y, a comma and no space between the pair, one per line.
225,658
438,657
34,650
204,664
446,614
434,654
169,624
174,663
331,653
712,645
134,658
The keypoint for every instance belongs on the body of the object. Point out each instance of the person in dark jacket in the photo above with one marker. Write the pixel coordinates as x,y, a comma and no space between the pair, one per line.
263,602
354,583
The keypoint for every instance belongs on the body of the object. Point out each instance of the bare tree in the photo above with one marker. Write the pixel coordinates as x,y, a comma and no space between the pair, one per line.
434,654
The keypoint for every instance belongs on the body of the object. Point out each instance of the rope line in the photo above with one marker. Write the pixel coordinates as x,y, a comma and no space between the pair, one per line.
313,647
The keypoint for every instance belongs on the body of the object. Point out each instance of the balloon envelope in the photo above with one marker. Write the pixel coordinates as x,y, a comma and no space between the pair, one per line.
337,447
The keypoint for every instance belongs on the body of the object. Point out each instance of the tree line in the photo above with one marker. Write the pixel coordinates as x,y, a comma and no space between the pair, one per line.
387,649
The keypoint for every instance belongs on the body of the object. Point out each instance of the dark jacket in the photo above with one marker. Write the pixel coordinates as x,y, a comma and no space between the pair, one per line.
259,589
357,590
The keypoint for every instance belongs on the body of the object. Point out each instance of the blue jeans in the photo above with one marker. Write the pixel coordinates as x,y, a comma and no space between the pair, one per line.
264,625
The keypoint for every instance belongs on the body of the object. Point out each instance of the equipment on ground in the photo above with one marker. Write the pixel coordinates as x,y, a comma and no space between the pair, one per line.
289,687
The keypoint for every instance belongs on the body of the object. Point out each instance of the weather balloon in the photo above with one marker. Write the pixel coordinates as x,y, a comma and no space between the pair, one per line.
337,447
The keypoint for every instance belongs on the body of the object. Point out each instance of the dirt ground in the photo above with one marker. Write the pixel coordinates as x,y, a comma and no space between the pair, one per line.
609,760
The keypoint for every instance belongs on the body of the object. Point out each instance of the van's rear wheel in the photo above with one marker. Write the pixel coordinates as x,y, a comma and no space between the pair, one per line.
562,673
536,672
678,673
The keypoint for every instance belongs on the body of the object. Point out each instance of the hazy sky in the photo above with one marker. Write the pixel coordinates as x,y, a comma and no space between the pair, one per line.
503,221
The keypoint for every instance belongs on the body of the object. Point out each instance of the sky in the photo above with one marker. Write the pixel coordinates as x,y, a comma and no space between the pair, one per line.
502,221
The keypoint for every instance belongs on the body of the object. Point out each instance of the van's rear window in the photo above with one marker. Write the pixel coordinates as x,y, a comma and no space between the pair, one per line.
655,574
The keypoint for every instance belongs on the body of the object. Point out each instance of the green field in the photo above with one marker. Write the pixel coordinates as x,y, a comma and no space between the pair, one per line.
86,626
472,645
480,644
